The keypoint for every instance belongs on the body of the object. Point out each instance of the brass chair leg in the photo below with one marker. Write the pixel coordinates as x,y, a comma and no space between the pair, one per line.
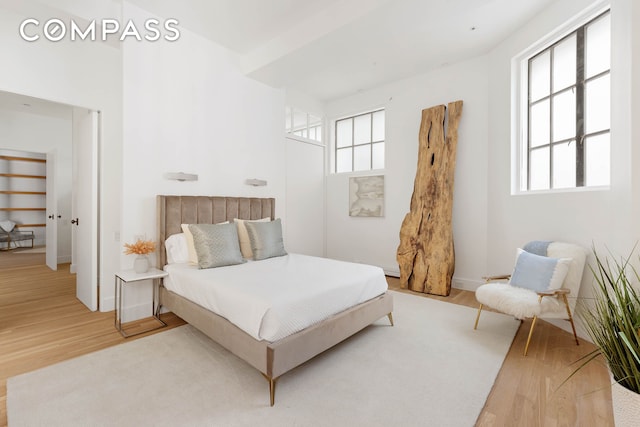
477,317
390,316
573,326
533,324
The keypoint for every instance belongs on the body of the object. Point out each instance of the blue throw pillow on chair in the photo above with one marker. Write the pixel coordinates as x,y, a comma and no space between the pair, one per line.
539,273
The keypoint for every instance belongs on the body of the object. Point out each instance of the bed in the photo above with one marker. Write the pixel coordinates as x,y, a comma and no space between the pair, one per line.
271,358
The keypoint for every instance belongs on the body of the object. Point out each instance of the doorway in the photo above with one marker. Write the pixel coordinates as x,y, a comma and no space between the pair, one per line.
35,203
67,137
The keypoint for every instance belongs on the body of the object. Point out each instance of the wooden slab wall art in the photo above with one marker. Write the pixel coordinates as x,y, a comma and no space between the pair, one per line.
426,255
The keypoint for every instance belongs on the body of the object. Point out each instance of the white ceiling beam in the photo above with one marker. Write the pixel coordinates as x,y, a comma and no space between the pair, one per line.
307,31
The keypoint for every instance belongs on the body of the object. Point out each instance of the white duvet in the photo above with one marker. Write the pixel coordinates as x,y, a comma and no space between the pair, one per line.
276,297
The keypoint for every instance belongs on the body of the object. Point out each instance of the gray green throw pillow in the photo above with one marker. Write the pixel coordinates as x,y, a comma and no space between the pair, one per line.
216,244
266,239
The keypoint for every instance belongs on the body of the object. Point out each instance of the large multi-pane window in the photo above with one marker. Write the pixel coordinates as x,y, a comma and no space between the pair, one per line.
359,142
567,143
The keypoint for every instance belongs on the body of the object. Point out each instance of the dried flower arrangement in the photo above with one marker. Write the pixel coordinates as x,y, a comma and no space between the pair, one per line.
140,247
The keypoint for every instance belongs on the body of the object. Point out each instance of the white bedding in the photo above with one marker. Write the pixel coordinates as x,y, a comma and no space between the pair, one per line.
276,297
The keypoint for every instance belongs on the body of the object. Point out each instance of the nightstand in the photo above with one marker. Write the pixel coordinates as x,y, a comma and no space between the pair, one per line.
129,277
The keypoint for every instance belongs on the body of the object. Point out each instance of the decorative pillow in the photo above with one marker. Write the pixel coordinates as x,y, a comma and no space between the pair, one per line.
539,273
177,248
245,243
266,239
216,245
7,225
193,256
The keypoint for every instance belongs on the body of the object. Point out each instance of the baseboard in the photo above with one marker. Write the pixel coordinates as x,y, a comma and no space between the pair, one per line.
64,259
108,304
456,282
465,284
136,312
391,272
129,312
73,269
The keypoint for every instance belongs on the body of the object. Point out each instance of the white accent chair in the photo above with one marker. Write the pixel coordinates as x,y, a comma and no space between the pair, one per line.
545,301
9,235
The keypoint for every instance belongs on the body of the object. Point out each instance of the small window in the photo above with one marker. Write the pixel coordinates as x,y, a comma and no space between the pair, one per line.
566,142
359,142
303,124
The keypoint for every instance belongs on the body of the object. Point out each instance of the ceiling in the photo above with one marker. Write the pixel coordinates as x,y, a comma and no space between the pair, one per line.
27,104
329,49
333,48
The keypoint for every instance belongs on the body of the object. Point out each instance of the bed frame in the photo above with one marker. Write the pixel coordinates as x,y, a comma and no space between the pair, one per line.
272,359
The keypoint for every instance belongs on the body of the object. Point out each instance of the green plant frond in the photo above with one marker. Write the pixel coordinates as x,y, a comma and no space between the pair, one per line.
591,355
586,359
612,319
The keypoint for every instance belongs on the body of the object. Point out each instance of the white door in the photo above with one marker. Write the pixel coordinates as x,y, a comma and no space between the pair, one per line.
51,230
84,199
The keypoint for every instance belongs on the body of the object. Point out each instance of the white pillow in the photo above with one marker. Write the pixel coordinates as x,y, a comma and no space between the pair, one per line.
177,248
243,235
191,248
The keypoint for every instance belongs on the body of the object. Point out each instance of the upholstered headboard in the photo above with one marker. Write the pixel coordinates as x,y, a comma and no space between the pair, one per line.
176,210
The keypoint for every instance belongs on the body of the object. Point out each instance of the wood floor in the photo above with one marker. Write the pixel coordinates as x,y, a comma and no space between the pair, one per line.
42,323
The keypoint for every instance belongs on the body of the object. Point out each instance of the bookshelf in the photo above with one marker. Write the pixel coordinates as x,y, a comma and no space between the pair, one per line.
23,190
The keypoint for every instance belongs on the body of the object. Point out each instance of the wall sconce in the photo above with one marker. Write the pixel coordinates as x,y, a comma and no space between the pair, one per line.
256,182
181,176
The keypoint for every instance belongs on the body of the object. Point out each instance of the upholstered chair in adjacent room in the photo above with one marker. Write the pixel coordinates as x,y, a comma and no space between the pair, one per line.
544,275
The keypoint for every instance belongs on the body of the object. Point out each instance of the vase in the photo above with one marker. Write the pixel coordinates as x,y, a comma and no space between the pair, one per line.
141,264
626,406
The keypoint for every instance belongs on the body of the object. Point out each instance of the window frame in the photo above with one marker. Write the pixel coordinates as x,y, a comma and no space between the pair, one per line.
353,145
303,132
521,144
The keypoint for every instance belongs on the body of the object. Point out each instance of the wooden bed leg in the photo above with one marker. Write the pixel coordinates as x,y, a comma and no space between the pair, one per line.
390,316
272,389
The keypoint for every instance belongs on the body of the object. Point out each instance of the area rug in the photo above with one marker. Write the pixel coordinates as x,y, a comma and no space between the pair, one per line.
431,368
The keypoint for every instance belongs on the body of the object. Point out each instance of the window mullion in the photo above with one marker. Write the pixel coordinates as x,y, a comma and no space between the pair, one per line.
551,98
371,143
335,143
353,144
529,126
580,86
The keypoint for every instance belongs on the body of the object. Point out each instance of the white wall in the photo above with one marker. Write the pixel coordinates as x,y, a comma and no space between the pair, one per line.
375,240
630,11
39,132
305,232
187,108
579,216
305,181
601,218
